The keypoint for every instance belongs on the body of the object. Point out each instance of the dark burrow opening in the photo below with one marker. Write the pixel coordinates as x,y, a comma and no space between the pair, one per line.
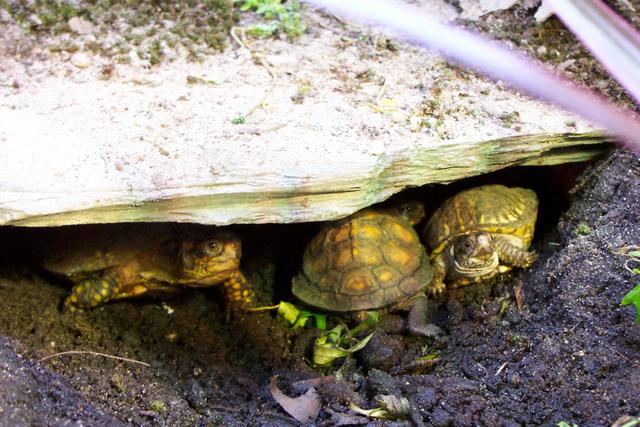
281,246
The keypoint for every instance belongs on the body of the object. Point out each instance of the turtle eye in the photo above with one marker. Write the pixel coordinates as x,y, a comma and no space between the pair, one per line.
468,244
213,247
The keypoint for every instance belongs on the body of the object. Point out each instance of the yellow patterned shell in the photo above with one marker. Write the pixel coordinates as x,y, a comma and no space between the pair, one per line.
369,260
495,209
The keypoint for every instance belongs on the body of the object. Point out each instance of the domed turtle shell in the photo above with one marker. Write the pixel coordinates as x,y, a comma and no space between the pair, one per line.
495,209
77,251
369,260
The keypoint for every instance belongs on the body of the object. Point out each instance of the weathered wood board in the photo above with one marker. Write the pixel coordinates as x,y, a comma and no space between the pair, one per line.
325,192
331,125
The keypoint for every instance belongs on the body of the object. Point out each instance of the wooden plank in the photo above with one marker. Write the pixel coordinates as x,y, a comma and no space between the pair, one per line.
254,195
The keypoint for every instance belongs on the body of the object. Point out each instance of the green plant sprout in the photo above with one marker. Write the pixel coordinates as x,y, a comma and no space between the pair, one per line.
337,343
631,423
285,16
293,317
391,408
633,296
238,120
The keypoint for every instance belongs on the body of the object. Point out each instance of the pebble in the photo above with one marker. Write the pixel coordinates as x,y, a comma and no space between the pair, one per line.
383,352
196,396
281,61
81,60
80,25
441,418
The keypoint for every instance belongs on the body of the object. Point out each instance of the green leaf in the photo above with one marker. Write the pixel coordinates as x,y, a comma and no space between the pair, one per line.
633,297
288,312
326,348
632,423
238,120
263,30
429,357
373,317
321,321
635,254
378,412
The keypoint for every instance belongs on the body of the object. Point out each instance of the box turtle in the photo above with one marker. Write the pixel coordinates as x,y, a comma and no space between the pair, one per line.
481,232
369,260
128,260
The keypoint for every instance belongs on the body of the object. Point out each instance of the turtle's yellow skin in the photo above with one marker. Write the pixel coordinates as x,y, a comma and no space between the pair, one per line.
481,232
369,260
129,260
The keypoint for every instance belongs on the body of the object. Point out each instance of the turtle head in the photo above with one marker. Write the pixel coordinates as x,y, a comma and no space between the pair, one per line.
212,259
411,211
474,253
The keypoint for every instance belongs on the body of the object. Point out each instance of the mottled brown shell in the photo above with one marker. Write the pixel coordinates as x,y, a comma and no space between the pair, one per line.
495,209
80,250
369,260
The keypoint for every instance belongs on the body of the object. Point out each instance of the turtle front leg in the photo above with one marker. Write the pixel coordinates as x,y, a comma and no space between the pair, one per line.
439,265
238,292
419,319
511,254
94,291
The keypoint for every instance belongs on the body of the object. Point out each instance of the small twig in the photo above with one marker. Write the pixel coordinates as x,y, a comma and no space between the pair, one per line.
94,353
624,250
620,354
500,369
573,328
626,264
381,92
267,308
269,91
240,40
238,33
273,128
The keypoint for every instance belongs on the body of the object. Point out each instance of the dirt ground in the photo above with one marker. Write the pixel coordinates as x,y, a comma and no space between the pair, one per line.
569,352
541,346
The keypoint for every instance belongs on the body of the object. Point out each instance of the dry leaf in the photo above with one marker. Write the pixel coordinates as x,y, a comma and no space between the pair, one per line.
517,291
398,407
304,408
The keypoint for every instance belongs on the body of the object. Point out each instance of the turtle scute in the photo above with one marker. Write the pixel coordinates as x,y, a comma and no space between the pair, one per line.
481,232
128,260
369,260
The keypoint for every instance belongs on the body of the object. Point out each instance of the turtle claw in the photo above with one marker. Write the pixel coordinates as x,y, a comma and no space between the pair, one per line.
437,289
68,306
429,330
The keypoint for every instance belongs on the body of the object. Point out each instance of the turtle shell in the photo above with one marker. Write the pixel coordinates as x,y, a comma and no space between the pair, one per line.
495,209
369,260
76,251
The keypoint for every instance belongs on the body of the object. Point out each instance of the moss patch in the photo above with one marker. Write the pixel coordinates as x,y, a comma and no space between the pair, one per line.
123,27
